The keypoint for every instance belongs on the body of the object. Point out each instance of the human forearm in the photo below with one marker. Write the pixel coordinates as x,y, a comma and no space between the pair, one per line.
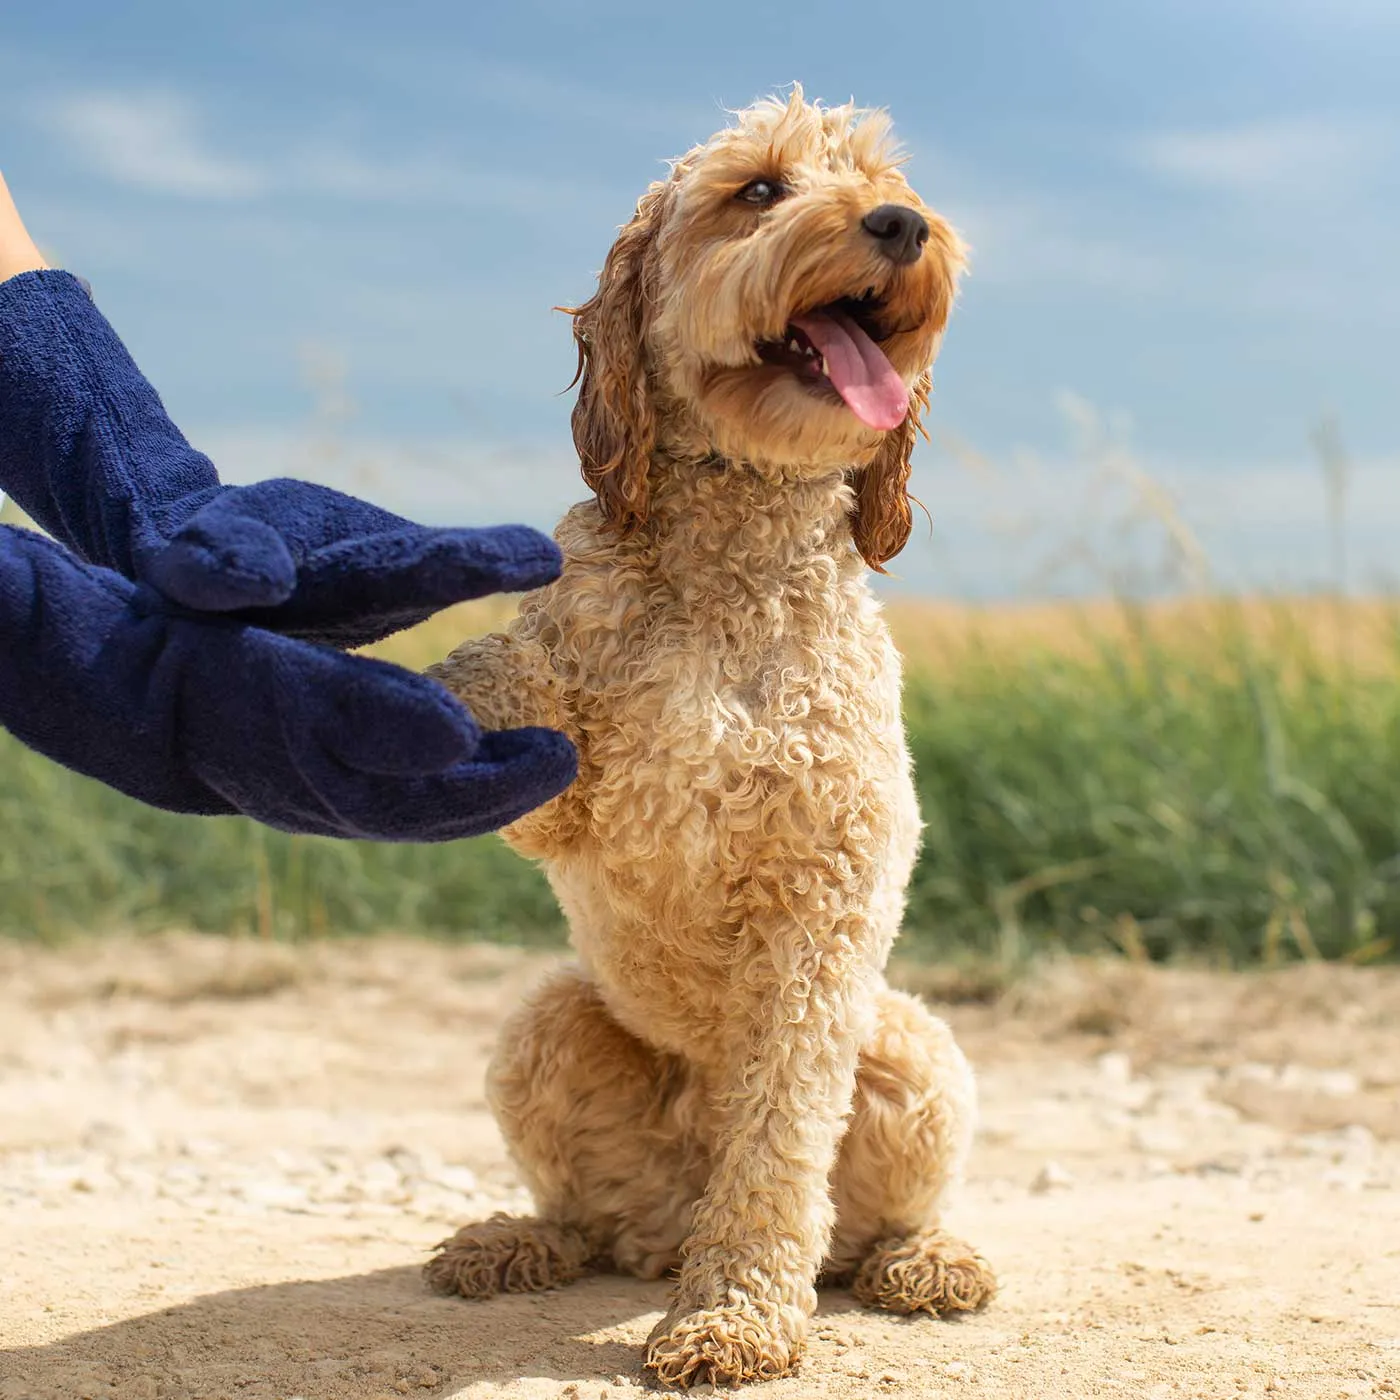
17,250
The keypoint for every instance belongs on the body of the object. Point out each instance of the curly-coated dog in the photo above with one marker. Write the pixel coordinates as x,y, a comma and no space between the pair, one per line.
724,1085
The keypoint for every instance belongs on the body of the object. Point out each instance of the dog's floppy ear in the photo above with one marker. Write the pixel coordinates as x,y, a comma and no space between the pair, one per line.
613,421
883,518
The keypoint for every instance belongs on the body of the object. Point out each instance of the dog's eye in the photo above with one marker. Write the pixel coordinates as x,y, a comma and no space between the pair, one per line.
761,192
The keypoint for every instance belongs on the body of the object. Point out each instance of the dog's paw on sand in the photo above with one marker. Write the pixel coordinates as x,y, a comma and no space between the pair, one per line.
721,1347
932,1273
507,1254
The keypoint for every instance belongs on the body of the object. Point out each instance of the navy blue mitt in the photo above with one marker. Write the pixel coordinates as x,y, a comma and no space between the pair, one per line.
198,714
189,661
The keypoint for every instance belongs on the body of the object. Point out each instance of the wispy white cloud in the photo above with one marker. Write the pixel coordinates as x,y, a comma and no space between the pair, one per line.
1301,154
419,178
1033,240
150,141
450,479
1023,236
158,142
491,85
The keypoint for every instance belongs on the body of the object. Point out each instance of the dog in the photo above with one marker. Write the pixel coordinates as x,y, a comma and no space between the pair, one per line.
724,1086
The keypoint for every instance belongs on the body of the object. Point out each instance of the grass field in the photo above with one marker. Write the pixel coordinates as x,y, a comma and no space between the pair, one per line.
1208,778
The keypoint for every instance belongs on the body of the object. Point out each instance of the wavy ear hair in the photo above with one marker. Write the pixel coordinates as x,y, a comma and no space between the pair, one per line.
613,421
883,518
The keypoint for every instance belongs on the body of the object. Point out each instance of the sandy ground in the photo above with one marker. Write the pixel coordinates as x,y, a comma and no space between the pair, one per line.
221,1165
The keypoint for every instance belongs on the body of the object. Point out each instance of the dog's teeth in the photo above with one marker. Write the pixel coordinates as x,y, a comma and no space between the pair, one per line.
823,366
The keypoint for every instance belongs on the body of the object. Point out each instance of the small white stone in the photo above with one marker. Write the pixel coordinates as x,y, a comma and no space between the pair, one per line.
182,1174
1358,1138
1252,1072
404,1161
101,1135
1156,1139
1335,1083
461,1179
273,1195
1050,1177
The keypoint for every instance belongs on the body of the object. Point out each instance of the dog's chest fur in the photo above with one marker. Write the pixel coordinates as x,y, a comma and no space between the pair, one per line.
736,696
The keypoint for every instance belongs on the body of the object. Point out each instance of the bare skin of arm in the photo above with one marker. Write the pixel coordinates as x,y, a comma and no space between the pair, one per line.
18,252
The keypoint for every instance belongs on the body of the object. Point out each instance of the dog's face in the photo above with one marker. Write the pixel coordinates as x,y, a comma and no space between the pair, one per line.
778,300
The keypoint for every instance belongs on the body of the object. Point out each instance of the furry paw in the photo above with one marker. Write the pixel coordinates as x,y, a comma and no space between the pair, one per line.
721,1346
507,1254
924,1273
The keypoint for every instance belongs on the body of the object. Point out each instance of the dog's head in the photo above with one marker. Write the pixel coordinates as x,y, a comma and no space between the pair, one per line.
779,300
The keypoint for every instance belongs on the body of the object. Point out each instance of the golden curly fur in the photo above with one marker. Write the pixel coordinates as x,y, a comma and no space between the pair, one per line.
724,1085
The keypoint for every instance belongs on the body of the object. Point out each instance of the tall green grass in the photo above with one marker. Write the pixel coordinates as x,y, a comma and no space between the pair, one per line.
1206,794
75,856
1212,790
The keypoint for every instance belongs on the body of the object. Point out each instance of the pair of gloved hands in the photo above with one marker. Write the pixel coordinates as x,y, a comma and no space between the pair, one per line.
189,650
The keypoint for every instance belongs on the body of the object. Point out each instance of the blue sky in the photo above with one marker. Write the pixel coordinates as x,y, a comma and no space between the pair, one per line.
332,235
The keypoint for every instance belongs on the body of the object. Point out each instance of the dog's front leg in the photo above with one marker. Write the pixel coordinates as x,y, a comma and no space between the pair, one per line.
507,681
758,1235
504,680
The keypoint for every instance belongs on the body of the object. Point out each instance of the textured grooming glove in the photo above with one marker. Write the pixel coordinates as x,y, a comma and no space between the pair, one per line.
161,670
199,714
87,450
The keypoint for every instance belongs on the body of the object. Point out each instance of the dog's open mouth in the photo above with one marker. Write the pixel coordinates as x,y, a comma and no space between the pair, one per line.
832,349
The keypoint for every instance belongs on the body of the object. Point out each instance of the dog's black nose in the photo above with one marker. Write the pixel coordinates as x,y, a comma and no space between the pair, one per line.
900,230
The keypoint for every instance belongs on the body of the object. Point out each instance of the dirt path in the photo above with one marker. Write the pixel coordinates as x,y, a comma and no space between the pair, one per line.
221,1164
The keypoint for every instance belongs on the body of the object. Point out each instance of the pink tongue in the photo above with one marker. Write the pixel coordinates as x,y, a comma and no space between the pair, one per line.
857,368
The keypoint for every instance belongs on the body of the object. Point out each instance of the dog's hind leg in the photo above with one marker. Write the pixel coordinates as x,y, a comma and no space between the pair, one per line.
605,1132
909,1136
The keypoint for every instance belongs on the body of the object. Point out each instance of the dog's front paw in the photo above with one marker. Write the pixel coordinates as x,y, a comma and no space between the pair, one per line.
507,1254
721,1346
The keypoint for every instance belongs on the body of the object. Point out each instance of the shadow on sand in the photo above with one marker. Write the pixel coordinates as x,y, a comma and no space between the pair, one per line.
379,1334
372,1334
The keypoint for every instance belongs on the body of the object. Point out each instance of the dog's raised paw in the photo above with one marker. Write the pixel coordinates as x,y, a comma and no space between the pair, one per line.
507,1254
931,1273
718,1346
